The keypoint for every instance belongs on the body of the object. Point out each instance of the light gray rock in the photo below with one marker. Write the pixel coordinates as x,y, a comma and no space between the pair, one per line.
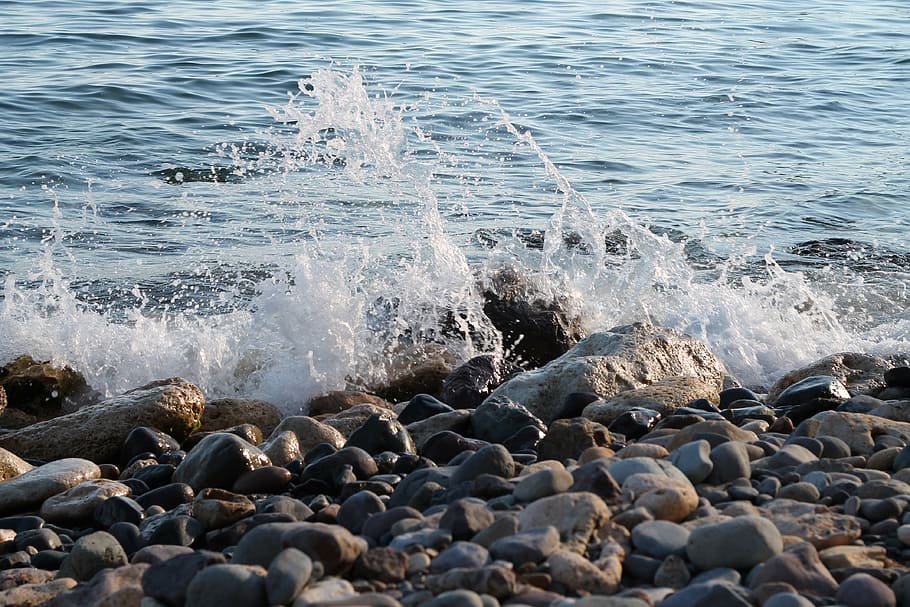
530,546
731,462
575,515
288,575
31,488
607,363
282,448
11,465
543,483
739,543
857,430
96,432
660,539
228,584
694,460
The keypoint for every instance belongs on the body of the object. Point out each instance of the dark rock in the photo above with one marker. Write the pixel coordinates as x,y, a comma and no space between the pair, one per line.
341,400
730,395
534,331
49,560
443,446
168,497
326,469
833,447
492,459
800,567
156,475
168,580
128,535
175,530
530,546
741,415
525,439
318,452
469,384
355,510
43,390
863,590
816,386
635,423
332,545
247,432
90,554
722,594
146,440
227,584
898,377
567,438
378,524
39,539
699,405
381,432
384,564
118,509
118,586
460,554
420,407
594,477
466,517
496,419
284,504
489,486
267,479
21,523
574,404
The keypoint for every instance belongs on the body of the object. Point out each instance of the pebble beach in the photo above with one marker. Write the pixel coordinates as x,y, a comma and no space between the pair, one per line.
629,471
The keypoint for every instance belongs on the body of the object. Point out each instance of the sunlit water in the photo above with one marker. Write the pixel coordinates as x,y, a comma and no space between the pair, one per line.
272,199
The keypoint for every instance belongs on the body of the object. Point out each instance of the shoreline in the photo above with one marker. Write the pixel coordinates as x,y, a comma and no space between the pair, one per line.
629,470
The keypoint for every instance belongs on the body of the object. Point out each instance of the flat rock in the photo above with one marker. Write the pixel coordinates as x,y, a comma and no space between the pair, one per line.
813,523
857,430
78,503
457,421
530,546
611,362
228,412
723,428
31,488
664,397
96,432
29,595
575,515
860,373
109,587
337,401
660,539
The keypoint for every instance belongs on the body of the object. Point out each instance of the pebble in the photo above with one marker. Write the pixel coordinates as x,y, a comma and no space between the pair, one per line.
168,579
460,554
218,460
466,517
288,574
227,584
491,459
357,509
864,590
694,460
575,515
660,539
32,488
90,554
530,546
543,483
731,462
382,432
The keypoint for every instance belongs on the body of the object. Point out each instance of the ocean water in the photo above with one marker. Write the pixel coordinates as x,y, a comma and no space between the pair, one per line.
273,199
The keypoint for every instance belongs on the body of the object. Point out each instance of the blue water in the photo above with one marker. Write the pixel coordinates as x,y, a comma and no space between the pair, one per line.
225,190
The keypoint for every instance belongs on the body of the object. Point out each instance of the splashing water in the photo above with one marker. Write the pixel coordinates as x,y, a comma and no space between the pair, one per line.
360,305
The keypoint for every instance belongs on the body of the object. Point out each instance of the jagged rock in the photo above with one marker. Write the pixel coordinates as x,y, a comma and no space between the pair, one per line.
228,412
611,362
96,432
43,390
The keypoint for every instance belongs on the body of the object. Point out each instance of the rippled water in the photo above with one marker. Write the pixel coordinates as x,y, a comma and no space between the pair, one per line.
224,191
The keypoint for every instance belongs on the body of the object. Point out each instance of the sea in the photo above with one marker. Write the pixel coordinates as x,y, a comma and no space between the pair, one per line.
273,199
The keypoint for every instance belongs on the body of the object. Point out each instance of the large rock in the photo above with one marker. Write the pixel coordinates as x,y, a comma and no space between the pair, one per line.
96,432
31,488
860,373
608,363
664,396
42,389
228,412
218,461
858,430
470,383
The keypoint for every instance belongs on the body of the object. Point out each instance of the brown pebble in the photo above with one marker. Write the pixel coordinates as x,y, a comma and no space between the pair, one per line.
267,479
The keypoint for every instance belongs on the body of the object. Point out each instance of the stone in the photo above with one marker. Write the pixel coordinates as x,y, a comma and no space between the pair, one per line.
332,545
109,587
42,389
261,544
217,508
31,488
309,432
218,461
843,557
574,571
730,462
39,539
460,554
709,594
465,517
635,422
456,598
800,492
855,429
171,528
421,407
96,432
535,329
672,573
809,388
32,595
700,429
11,465
661,496
378,524
225,413
90,554
530,546
337,401
663,396
468,384
384,564
496,580
567,438
787,599
498,418
543,483
739,543
227,584
167,497
78,504
595,477
860,373
282,448
454,422
504,525
327,469
356,509
800,567
265,479
660,539
812,523
575,515
863,590
288,574
145,440
607,363
492,459
694,460
350,419
167,580
381,432
790,455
